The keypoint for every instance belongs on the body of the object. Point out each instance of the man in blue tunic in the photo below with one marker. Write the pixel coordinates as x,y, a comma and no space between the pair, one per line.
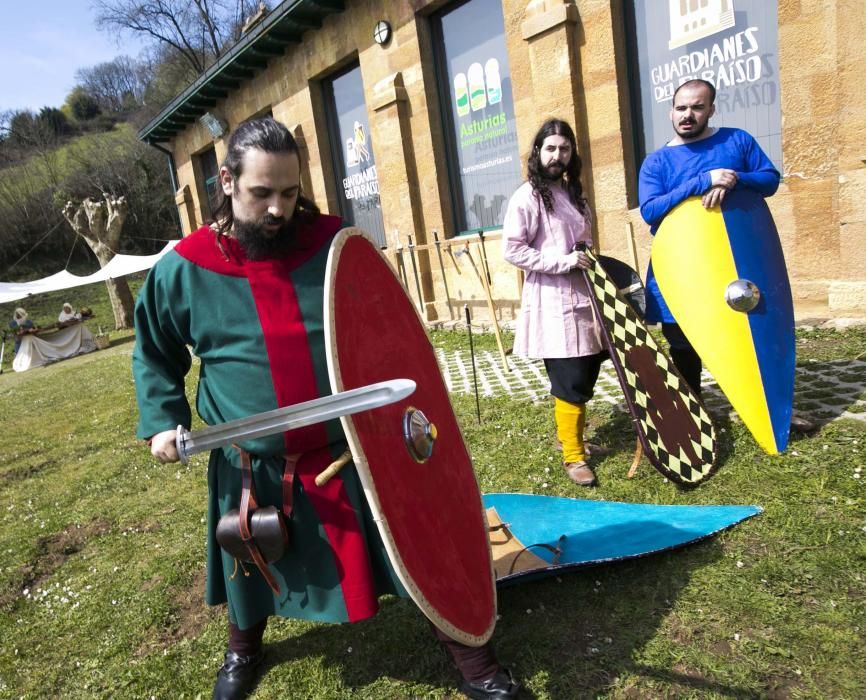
699,161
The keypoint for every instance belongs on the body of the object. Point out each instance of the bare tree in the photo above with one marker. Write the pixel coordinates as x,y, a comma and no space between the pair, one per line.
26,210
29,130
100,224
117,85
35,189
166,73
199,30
25,135
29,173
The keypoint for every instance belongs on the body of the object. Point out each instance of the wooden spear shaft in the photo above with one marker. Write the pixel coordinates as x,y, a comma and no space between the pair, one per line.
490,306
444,276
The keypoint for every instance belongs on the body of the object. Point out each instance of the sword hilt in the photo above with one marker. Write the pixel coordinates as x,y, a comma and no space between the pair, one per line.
181,443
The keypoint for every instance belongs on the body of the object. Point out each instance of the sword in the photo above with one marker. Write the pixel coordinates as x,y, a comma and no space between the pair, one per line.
298,415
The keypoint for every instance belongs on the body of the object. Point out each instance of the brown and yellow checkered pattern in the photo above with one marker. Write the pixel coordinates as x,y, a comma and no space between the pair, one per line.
681,446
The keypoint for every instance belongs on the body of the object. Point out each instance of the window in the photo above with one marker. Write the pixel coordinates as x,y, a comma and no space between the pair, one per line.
736,51
210,179
352,152
478,112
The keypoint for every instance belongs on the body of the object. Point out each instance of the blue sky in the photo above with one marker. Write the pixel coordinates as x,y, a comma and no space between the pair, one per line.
43,43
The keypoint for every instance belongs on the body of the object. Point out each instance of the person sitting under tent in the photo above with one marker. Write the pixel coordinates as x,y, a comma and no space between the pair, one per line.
55,342
68,313
20,324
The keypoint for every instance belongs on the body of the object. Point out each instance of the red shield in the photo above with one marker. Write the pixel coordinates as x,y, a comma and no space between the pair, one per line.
429,513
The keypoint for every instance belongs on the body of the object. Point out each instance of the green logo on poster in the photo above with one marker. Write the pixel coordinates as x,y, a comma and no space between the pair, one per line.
479,126
479,130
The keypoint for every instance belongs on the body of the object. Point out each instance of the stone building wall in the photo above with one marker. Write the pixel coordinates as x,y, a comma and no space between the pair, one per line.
567,59
820,209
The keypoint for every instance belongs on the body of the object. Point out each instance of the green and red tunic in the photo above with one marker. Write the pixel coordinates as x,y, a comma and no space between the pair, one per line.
258,329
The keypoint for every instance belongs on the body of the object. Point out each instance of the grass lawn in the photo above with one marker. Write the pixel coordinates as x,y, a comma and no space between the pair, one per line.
101,572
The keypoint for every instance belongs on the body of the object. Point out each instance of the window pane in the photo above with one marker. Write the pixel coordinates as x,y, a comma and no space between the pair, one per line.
210,174
737,51
484,136
356,167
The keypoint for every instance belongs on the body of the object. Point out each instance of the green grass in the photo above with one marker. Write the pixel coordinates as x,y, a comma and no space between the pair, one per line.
101,573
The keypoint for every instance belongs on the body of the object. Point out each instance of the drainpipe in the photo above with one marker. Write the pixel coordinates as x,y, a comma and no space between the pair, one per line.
172,175
172,171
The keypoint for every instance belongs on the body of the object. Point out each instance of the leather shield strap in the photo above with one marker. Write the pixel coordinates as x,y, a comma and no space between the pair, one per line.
248,503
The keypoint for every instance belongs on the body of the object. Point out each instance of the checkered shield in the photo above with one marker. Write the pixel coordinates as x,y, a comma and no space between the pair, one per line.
671,422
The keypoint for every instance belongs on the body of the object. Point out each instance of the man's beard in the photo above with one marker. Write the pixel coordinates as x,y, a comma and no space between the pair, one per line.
553,171
258,244
689,135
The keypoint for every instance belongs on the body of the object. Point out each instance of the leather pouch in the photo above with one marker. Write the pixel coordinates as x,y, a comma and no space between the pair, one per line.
268,530
253,534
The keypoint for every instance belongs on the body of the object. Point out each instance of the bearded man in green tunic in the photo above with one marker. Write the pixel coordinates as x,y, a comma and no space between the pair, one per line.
245,295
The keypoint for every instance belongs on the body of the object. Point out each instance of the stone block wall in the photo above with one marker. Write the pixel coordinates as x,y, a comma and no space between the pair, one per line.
567,59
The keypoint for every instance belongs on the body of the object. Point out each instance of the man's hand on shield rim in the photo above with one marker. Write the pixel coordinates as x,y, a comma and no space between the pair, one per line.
163,446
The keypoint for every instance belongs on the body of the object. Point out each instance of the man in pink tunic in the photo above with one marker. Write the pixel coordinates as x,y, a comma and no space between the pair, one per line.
546,218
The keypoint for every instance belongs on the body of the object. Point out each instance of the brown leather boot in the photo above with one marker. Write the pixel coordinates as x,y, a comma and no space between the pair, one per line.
580,473
803,426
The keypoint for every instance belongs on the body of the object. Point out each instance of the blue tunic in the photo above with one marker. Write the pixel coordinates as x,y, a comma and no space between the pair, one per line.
672,174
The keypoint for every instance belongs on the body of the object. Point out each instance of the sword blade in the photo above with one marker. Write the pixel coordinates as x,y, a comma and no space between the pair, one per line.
291,417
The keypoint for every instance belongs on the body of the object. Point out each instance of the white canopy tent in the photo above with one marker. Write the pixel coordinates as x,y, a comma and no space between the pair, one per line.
118,266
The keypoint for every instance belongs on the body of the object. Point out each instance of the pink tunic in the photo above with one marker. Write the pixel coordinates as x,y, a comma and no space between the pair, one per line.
556,318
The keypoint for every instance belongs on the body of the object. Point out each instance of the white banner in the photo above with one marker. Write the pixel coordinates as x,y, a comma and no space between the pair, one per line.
118,266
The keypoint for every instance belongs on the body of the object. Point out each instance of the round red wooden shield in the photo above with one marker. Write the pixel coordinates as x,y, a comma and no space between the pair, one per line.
429,513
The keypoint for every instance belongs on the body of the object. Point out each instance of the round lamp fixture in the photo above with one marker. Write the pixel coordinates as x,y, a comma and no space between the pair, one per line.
382,32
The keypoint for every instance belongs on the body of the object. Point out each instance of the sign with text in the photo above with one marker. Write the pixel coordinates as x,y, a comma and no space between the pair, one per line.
482,112
731,43
359,183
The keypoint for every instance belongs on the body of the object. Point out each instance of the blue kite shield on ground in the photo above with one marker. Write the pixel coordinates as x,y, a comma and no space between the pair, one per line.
532,536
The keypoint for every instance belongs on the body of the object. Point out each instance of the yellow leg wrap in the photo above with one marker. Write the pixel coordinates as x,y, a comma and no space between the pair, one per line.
570,421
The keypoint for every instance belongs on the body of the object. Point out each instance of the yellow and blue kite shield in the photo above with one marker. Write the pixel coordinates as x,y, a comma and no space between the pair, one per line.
712,265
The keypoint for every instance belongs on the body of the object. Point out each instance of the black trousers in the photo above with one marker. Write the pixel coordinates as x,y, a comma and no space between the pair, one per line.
573,379
686,360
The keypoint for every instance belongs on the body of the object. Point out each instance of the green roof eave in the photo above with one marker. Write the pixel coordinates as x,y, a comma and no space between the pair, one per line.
284,25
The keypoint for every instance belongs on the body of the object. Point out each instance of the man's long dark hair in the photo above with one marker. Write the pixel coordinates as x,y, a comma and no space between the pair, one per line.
270,136
535,171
